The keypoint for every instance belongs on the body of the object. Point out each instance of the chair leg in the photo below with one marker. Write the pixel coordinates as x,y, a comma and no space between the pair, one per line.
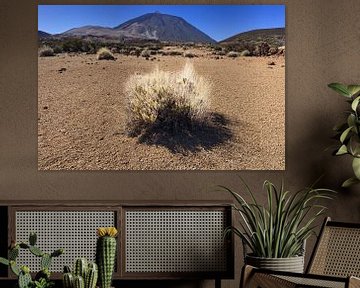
354,282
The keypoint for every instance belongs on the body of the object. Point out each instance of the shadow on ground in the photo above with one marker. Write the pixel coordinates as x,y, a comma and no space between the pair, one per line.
189,137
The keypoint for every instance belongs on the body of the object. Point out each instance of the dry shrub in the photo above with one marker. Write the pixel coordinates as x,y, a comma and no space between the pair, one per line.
233,54
46,51
245,53
165,101
105,54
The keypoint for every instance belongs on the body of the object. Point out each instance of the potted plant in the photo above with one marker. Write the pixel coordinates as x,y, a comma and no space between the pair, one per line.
276,233
348,133
42,278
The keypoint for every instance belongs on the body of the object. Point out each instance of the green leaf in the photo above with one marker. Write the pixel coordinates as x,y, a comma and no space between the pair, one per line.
4,261
354,145
353,90
351,120
345,134
356,167
340,88
349,182
355,103
342,150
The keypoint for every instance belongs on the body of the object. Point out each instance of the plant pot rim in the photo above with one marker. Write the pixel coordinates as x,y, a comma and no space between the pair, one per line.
257,257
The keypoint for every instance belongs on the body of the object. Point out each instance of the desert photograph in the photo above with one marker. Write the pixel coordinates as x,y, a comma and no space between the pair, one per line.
161,87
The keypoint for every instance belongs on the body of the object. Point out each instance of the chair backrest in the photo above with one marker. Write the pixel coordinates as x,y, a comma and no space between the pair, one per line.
337,251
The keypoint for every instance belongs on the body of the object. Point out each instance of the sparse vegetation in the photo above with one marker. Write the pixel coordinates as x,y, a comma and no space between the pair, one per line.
189,55
245,53
105,54
166,101
233,54
46,51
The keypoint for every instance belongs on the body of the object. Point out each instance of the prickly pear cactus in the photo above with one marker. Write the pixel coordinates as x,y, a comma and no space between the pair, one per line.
24,280
106,254
45,261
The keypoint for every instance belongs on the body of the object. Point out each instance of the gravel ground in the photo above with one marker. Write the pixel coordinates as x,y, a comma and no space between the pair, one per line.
81,116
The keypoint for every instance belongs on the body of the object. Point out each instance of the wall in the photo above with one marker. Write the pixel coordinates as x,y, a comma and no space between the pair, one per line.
323,40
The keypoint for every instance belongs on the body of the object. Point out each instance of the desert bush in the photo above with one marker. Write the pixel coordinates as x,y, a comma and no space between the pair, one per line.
46,51
189,55
233,54
58,49
245,53
166,101
145,53
105,54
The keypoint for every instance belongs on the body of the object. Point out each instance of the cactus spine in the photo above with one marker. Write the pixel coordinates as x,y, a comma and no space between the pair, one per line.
106,254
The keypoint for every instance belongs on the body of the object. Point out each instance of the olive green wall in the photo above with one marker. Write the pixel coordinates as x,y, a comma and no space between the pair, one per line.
323,46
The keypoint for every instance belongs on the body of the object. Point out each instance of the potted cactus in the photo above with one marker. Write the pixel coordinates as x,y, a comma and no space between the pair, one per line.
84,275
106,254
42,278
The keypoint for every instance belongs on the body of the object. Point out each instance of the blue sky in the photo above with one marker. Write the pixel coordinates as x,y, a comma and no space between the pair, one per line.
218,21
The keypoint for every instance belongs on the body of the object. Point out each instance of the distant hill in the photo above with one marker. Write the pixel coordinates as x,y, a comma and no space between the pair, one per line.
151,26
42,34
274,37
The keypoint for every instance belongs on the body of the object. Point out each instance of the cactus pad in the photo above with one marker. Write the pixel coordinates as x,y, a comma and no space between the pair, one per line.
14,253
14,268
32,239
45,261
24,280
36,251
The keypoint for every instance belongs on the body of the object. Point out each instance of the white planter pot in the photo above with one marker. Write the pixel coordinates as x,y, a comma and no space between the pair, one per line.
291,264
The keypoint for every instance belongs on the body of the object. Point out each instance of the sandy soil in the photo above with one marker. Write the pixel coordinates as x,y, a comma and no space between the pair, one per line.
81,116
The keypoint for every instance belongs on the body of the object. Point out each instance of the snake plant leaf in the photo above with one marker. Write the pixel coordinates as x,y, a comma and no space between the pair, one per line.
356,167
355,103
349,182
340,88
342,150
354,90
345,134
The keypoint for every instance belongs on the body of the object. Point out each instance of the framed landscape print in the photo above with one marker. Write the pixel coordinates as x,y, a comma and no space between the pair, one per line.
161,87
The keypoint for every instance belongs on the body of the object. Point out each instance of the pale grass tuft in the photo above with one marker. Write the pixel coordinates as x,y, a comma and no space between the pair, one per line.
105,54
169,101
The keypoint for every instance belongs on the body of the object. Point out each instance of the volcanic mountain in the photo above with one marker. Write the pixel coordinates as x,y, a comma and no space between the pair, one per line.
42,34
151,26
273,36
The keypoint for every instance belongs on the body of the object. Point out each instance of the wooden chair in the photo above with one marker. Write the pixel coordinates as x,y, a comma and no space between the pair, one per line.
335,262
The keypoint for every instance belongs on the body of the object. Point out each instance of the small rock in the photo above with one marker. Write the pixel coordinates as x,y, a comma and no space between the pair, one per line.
62,70
271,63
46,107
